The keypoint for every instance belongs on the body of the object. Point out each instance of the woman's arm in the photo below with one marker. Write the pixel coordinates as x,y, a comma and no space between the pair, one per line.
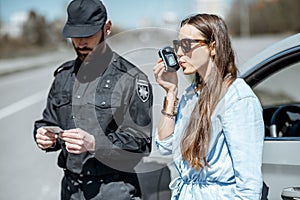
244,134
168,81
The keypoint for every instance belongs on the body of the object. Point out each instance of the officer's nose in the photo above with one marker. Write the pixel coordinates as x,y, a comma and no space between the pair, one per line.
82,42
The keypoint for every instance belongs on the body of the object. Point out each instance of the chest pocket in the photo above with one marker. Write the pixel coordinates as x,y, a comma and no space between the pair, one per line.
108,95
60,100
108,107
105,100
62,105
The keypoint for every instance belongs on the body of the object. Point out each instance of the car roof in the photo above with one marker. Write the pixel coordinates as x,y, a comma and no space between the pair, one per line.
271,51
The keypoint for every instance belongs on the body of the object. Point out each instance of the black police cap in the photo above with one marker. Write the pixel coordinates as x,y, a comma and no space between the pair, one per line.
85,18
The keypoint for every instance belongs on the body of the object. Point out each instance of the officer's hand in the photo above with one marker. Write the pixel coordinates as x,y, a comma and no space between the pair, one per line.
78,141
167,80
45,139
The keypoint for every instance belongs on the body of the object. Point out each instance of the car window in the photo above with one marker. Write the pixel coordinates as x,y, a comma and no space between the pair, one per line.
279,94
283,87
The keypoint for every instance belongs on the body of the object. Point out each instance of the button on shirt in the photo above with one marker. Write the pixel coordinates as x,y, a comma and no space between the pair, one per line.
235,148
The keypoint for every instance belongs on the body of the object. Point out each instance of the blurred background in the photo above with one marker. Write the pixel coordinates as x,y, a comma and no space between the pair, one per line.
35,27
32,47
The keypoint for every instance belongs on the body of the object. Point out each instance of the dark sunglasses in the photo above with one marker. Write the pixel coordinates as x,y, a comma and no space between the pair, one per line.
186,44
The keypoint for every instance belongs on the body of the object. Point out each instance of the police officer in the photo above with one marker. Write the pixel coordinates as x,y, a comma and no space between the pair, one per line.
103,104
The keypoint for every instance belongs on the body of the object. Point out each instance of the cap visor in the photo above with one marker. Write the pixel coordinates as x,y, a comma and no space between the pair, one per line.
80,31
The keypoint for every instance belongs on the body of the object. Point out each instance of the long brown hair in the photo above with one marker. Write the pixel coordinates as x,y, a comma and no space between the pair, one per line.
195,142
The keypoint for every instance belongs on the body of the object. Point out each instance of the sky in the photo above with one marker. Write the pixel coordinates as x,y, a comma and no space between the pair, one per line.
137,12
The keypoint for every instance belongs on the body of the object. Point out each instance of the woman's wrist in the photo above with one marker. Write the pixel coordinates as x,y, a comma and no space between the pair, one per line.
172,94
170,106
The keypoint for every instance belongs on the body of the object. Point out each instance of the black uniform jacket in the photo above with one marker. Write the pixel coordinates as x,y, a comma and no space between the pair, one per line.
108,97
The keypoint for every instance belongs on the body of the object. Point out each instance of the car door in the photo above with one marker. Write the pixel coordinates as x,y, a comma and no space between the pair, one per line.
275,79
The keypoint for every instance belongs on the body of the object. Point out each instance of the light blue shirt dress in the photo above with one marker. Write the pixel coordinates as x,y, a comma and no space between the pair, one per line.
235,149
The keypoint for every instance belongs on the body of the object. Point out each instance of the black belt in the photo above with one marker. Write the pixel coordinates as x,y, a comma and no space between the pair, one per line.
107,178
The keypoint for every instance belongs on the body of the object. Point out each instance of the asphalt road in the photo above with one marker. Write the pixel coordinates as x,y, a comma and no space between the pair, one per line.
28,173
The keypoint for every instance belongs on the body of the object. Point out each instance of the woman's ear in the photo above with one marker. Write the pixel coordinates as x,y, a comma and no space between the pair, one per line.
107,27
212,48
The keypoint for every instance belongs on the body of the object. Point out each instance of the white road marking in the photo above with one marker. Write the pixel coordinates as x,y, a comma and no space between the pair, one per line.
22,104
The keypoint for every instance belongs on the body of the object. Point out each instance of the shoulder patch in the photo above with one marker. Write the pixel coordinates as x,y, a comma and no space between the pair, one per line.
64,66
142,89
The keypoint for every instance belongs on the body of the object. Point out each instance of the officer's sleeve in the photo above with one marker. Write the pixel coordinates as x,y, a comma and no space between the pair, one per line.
49,118
137,124
132,138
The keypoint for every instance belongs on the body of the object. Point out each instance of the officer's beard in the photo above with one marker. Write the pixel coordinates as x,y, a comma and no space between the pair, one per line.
82,56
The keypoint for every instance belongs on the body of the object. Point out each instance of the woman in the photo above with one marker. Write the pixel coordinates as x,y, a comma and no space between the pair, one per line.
217,132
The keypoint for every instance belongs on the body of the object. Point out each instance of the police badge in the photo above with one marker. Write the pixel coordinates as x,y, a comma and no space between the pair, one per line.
142,90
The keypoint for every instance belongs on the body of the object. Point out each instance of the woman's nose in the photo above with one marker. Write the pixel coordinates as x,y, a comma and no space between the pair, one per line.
179,51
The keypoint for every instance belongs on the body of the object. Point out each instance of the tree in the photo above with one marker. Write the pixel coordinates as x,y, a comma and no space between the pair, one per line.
267,16
35,29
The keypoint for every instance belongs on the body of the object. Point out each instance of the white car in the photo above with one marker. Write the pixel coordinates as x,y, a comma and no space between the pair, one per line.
274,75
